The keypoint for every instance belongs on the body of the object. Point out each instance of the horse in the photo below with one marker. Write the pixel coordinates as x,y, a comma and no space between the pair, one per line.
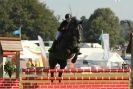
66,47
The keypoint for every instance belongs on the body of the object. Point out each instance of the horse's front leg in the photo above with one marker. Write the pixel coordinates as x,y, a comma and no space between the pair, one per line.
70,59
52,75
52,65
62,66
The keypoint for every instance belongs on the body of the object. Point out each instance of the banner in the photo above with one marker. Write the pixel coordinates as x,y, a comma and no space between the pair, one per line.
106,47
42,47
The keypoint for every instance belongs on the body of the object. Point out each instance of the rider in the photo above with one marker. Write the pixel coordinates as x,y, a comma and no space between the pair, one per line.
62,29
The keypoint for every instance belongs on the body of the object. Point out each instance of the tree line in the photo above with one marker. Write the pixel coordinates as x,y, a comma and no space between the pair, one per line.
37,19
104,20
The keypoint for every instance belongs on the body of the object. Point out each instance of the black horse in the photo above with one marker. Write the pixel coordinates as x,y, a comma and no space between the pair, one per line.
67,45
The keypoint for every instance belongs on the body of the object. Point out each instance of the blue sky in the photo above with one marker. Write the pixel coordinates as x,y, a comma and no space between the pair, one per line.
79,8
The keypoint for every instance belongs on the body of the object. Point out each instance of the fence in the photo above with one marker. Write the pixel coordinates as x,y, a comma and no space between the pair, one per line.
75,79
9,83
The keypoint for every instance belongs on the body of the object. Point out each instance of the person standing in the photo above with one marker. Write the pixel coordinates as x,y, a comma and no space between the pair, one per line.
29,63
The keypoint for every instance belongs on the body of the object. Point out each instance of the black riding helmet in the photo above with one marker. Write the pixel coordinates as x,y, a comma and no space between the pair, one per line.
67,16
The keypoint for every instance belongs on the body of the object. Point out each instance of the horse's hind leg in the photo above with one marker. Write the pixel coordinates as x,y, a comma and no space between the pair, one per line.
75,58
62,66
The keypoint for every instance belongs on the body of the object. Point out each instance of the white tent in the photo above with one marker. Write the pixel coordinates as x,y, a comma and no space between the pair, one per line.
96,54
115,60
115,57
88,45
91,54
30,50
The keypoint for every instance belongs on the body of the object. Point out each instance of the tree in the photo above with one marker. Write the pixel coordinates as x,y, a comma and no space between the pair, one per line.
103,19
35,17
126,26
83,19
9,68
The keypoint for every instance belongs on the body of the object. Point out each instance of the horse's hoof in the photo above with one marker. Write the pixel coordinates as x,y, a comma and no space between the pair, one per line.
52,81
73,60
59,81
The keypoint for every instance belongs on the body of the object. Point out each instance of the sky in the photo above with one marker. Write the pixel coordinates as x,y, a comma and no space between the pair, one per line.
78,8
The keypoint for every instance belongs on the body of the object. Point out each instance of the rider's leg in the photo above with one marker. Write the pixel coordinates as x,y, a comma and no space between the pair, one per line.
57,39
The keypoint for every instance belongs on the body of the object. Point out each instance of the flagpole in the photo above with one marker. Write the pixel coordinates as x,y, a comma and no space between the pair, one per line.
42,46
20,31
102,40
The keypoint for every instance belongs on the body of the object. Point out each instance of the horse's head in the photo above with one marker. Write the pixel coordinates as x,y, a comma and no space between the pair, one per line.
75,26
74,22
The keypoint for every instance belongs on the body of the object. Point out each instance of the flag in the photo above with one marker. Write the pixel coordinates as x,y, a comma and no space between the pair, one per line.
17,32
106,46
42,47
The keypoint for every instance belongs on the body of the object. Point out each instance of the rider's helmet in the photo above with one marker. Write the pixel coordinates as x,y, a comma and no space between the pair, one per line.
68,16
